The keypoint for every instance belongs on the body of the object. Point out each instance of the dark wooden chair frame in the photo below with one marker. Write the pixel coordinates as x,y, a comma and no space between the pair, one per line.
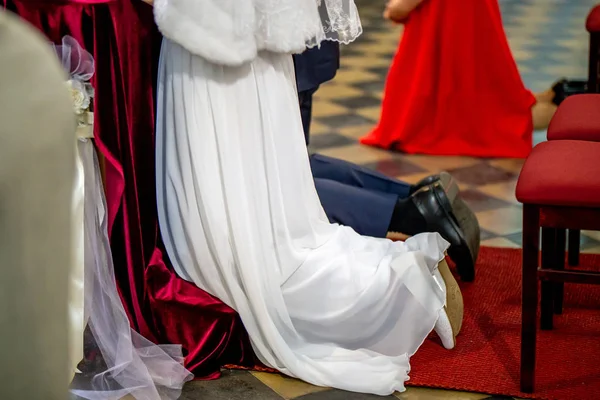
553,220
593,66
592,87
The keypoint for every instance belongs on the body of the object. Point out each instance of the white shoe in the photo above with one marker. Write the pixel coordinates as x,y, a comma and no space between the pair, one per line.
443,328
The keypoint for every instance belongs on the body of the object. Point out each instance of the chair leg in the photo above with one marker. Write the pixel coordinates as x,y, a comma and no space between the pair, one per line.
549,251
531,244
559,264
593,63
574,238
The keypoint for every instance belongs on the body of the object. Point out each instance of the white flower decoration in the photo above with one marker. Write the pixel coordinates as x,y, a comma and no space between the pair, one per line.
79,94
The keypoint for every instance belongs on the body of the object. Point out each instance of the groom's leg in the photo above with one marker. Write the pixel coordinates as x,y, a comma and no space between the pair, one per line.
354,175
373,204
368,212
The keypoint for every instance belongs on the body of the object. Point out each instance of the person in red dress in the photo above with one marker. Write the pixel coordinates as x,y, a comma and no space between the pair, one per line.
453,87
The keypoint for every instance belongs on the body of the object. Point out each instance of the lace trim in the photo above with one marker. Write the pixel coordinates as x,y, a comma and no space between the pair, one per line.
223,31
340,20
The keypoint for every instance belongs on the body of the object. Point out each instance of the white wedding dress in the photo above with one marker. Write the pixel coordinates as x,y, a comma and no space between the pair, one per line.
240,217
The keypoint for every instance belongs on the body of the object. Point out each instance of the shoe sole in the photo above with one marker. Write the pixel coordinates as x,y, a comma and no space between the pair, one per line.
463,215
467,221
461,254
450,186
455,308
466,253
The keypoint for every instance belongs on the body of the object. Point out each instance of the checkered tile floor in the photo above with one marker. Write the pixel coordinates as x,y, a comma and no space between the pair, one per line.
548,40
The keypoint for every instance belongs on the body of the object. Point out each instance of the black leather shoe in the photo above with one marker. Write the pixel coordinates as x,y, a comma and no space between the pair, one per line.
565,88
431,179
445,179
436,209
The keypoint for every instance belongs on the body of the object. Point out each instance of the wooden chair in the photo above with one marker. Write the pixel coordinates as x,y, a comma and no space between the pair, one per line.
563,127
559,187
577,118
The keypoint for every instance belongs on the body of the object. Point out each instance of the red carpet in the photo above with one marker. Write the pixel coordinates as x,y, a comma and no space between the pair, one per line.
487,356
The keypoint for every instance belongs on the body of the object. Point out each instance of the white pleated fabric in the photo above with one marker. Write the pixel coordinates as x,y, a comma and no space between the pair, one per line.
241,219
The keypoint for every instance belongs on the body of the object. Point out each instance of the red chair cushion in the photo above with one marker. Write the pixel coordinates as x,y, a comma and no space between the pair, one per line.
577,118
561,173
592,24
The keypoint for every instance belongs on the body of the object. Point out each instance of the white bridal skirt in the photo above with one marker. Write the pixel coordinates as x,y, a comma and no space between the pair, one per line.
241,219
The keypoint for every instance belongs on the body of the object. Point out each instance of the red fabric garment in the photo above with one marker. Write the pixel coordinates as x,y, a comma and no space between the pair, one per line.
162,307
453,87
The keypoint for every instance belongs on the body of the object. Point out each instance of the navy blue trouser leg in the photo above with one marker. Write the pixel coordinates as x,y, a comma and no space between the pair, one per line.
350,194
355,196
367,212
355,175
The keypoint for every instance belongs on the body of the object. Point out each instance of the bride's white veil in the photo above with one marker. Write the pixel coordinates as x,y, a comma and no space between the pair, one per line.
125,363
340,20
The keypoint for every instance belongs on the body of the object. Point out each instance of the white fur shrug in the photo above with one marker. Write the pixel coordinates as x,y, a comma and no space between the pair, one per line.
232,32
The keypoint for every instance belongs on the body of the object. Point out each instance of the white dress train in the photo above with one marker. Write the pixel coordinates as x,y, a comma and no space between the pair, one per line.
241,219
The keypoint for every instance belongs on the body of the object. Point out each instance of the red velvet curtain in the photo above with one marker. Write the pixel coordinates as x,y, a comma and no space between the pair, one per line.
164,308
